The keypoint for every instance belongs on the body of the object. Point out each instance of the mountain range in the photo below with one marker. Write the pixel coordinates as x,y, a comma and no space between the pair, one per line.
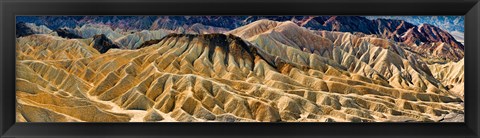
238,69
424,35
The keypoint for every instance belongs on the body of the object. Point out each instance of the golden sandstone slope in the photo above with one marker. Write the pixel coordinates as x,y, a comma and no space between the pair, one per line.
265,71
451,75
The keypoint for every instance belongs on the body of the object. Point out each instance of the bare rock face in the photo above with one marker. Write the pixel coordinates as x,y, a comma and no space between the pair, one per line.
102,43
47,47
266,71
435,34
153,115
427,40
149,43
434,43
141,39
65,33
454,118
451,75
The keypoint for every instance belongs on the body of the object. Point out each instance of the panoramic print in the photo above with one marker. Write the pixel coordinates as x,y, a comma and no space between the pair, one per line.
240,68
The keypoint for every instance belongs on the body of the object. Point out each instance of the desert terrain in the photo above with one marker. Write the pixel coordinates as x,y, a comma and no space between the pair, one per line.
238,69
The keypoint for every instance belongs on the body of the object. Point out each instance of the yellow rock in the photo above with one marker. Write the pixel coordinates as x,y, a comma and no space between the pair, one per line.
272,72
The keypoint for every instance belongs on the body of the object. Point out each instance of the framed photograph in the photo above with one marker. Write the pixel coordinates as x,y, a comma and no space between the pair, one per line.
234,68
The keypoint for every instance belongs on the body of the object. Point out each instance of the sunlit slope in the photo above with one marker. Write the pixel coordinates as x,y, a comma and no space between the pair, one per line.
452,75
134,40
367,56
273,71
47,91
47,47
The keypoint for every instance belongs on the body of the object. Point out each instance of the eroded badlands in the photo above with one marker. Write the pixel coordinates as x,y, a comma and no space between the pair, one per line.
265,71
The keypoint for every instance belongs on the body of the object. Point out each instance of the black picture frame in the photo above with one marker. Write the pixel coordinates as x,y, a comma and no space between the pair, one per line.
11,8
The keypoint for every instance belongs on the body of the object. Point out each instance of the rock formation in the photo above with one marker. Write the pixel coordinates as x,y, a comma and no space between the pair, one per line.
451,75
266,71
102,43
135,40
66,33
427,40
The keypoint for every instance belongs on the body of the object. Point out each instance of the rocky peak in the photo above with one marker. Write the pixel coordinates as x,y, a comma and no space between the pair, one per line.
435,34
102,43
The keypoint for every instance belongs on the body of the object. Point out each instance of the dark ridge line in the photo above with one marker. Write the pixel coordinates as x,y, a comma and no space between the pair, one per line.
234,45
102,44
